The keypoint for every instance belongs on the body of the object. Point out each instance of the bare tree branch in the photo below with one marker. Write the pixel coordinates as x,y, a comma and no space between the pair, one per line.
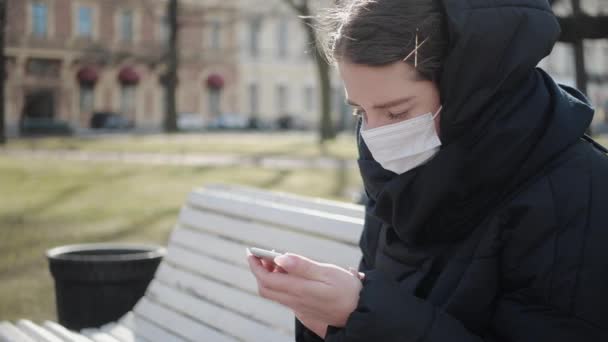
2,69
326,129
170,119
583,26
301,9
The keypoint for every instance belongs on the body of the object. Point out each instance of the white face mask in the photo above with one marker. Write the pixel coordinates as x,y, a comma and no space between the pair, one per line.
402,146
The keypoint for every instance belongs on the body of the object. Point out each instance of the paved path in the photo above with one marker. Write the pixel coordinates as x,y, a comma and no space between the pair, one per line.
191,159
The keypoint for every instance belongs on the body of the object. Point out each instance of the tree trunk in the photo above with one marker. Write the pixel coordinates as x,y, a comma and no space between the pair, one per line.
579,52
2,71
326,129
583,26
579,55
170,122
581,72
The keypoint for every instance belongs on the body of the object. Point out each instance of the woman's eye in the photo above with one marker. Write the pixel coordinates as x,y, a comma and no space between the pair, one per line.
397,115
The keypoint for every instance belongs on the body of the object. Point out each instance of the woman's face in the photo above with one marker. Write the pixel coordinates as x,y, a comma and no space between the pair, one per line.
388,94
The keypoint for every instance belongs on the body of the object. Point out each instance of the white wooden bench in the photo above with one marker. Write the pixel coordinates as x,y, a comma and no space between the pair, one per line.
203,289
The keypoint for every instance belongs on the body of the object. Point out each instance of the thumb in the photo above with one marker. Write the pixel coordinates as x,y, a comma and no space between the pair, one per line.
356,273
299,265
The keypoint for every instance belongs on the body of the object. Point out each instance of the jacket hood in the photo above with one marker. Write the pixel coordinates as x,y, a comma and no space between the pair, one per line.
503,121
493,48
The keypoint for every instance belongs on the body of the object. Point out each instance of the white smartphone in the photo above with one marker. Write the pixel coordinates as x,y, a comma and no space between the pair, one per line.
264,253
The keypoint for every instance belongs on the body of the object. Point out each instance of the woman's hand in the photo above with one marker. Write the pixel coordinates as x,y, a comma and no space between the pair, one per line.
314,325
320,294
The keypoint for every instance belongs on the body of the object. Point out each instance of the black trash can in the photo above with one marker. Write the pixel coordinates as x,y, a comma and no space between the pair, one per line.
98,283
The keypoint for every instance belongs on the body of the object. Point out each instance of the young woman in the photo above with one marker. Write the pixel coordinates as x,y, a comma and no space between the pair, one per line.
486,218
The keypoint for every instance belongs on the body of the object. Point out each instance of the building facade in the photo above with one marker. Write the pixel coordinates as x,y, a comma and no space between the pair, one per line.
69,58
278,73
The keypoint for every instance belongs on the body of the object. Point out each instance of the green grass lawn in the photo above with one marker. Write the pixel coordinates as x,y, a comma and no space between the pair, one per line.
48,203
303,145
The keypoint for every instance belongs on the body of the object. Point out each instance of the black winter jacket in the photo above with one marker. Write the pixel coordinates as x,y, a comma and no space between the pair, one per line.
503,235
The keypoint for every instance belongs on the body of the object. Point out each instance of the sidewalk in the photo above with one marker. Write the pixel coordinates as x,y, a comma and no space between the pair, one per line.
189,159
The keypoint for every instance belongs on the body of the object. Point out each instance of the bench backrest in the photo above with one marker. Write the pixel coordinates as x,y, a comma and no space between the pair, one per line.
321,204
203,289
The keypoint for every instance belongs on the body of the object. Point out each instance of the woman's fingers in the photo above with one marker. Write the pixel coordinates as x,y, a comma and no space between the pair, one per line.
356,273
268,265
282,281
272,267
279,297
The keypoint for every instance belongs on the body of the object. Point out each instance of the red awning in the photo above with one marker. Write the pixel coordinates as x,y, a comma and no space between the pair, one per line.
87,75
128,75
215,81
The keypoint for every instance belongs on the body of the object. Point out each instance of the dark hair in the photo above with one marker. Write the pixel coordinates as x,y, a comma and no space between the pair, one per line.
381,32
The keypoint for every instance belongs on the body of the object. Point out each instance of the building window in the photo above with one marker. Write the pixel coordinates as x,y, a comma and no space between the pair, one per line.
282,41
335,100
164,101
588,50
598,58
216,35
214,101
569,65
339,105
282,99
40,67
127,99
164,30
254,99
40,19
126,26
87,99
549,63
85,21
605,63
255,26
309,99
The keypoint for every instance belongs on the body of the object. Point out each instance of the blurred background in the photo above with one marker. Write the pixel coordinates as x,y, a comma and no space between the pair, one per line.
111,111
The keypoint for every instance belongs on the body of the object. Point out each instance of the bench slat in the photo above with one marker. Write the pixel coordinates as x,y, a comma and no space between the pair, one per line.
247,304
334,207
10,333
120,332
99,336
228,274
255,234
203,289
209,244
178,324
221,319
63,333
337,227
243,235
147,331
37,332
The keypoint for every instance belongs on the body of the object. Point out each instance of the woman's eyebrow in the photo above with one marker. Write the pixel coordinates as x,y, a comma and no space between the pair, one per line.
386,104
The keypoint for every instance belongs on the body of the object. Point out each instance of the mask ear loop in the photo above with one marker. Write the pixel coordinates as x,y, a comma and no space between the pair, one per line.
416,49
437,113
